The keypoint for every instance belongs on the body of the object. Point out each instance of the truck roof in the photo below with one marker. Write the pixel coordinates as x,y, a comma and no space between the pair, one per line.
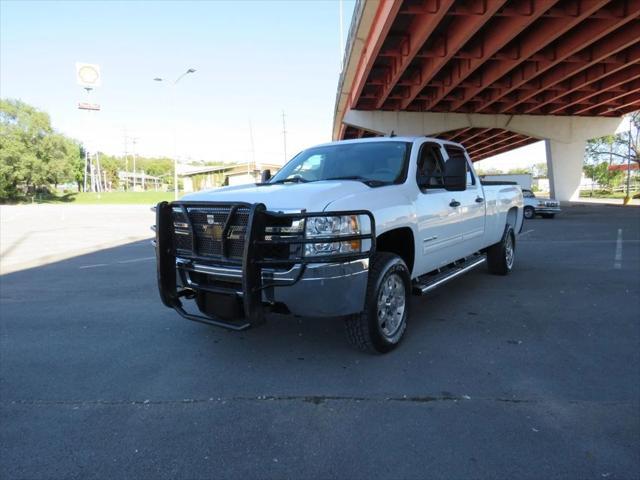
388,139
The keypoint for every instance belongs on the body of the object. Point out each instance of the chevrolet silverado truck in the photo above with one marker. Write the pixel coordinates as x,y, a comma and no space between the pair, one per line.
348,229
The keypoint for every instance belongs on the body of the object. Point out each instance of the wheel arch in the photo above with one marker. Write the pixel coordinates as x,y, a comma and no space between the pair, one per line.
400,241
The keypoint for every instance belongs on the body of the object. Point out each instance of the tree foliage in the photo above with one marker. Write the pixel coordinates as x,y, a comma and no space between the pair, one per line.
32,155
614,149
602,152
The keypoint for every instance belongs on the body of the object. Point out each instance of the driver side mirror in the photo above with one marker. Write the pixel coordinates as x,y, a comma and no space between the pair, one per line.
455,174
265,176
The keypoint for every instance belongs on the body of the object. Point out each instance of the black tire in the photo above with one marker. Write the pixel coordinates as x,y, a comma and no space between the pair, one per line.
498,258
548,215
529,213
364,330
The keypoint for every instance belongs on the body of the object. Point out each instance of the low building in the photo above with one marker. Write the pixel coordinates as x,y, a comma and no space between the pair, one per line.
195,178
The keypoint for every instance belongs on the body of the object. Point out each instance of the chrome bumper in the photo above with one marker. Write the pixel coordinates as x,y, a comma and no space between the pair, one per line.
548,209
314,290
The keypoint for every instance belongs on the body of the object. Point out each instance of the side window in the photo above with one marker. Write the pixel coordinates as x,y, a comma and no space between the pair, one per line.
430,166
458,152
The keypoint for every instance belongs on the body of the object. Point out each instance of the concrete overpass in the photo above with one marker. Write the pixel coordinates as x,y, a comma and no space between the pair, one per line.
493,75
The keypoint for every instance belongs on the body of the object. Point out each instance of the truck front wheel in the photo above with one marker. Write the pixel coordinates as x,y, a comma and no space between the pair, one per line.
380,327
500,256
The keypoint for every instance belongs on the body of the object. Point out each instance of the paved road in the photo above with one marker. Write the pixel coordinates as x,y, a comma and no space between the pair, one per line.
35,235
531,376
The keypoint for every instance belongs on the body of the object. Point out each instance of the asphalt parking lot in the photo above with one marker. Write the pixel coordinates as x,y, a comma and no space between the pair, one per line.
536,375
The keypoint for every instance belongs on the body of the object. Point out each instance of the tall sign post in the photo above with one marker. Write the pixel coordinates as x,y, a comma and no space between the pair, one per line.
88,77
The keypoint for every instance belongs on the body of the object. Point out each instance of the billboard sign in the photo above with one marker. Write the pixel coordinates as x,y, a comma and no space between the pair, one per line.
88,106
88,75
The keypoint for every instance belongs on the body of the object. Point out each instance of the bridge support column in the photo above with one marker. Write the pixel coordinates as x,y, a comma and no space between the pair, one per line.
564,166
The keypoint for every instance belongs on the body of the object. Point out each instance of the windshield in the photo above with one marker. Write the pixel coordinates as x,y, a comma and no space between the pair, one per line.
378,163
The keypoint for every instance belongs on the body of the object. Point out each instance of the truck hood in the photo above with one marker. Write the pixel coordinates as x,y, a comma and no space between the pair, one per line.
312,196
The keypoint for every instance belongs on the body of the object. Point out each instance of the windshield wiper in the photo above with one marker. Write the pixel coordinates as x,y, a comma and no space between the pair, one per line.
296,179
367,181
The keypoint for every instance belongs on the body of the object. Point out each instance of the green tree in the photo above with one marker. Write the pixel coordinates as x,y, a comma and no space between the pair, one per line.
615,148
33,156
601,174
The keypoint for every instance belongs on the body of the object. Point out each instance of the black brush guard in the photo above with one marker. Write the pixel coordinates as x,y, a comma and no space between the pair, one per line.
252,260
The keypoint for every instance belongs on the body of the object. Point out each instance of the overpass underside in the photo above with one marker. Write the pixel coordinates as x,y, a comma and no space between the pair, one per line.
493,75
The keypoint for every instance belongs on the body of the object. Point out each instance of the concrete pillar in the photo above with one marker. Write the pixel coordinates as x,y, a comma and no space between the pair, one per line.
564,164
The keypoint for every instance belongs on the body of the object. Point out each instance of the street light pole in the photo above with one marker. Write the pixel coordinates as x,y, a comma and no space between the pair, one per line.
173,121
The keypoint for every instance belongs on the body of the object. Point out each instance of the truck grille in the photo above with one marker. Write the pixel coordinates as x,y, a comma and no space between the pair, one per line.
208,224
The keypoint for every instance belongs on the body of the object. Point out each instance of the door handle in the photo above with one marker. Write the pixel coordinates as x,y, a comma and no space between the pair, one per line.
454,203
479,200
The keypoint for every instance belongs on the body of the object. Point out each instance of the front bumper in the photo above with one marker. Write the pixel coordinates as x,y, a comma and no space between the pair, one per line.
315,290
543,209
310,286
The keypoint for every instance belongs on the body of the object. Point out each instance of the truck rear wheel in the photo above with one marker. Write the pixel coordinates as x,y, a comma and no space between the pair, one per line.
529,213
381,326
500,256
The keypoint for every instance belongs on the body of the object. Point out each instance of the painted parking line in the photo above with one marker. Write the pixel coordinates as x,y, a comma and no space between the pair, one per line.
144,259
119,262
96,265
617,262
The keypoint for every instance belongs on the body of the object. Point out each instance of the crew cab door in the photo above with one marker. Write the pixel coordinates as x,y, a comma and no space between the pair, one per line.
471,209
438,223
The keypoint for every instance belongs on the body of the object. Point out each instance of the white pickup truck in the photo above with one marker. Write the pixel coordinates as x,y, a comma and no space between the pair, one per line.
349,228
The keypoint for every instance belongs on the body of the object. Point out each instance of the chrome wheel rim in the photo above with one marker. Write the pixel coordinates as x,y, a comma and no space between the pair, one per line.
391,305
508,251
528,213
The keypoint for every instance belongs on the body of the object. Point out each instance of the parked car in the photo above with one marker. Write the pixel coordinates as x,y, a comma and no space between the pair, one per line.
547,207
350,228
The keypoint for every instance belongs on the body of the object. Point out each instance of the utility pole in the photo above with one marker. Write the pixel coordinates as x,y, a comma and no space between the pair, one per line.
284,136
134,140
253,150
126,162
628,196
341,46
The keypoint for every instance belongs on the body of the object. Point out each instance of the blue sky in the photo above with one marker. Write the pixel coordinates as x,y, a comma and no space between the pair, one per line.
253,60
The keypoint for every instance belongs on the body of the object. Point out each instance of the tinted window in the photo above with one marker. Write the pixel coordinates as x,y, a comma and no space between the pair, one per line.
430,166
376,161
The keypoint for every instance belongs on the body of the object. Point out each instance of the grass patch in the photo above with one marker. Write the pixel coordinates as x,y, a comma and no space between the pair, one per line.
124,198
606,194
106,198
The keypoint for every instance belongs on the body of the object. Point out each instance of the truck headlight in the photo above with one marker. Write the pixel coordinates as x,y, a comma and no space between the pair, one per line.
332,226
337,226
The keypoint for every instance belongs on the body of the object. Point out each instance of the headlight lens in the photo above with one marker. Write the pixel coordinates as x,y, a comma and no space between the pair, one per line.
337,226
332,226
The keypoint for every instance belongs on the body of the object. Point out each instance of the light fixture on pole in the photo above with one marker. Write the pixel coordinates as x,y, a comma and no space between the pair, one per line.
173,121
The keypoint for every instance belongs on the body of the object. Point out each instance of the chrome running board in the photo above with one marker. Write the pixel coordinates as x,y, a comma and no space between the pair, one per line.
431,281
